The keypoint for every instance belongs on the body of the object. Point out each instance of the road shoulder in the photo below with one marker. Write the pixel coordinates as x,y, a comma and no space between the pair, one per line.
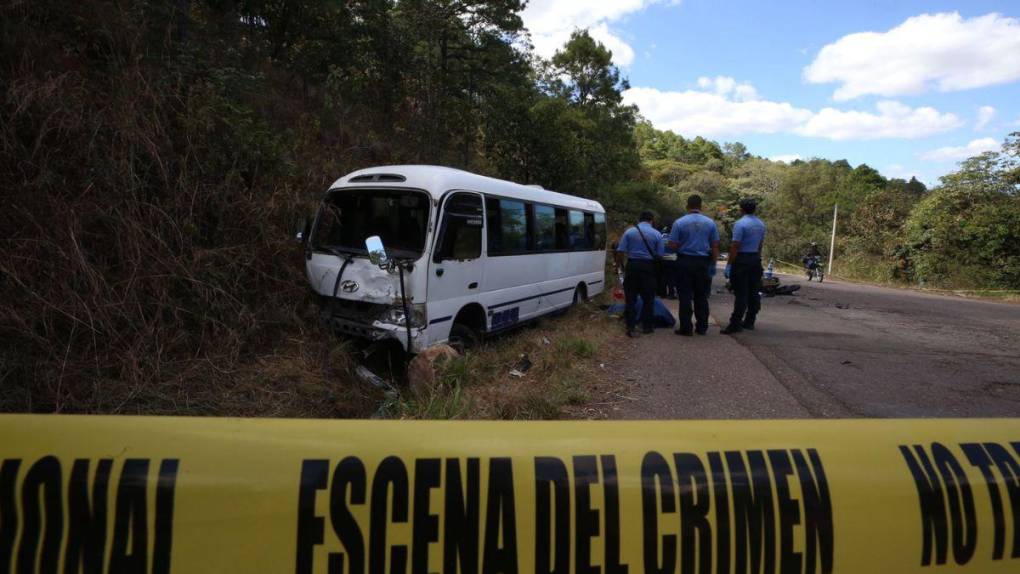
665,376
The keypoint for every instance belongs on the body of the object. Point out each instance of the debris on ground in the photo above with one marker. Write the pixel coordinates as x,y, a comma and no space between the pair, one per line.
421,373
521,367
371,378
771,287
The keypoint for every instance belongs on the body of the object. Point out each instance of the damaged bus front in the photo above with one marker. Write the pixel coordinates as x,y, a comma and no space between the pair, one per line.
363,296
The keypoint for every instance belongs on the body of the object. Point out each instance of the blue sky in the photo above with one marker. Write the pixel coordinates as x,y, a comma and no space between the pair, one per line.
929,84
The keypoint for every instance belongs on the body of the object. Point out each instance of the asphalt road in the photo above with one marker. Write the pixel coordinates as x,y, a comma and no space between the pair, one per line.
835,349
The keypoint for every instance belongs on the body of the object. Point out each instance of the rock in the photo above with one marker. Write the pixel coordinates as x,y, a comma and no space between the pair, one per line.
421,373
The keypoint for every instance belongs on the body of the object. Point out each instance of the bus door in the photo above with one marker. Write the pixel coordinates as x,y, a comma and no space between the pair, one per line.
456,268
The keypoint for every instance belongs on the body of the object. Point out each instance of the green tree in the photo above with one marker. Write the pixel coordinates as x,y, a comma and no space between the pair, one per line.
966,231
592,79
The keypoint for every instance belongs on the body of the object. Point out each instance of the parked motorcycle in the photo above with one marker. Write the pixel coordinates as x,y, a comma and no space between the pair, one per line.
814,268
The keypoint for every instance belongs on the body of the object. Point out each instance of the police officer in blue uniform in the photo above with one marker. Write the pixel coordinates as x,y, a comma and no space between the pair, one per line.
696,239
743,268
642,245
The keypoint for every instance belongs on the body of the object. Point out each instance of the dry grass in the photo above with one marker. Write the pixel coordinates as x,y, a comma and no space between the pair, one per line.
145,260
564,352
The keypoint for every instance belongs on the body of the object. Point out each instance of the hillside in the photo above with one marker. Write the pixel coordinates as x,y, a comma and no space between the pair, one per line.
158,154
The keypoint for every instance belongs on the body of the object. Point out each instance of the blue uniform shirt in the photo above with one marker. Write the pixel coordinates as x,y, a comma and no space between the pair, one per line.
633,247
695,234
749,231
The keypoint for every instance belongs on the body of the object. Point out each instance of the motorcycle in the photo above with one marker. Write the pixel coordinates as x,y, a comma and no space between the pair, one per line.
814,268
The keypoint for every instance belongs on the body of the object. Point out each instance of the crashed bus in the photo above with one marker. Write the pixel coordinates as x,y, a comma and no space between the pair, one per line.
425,254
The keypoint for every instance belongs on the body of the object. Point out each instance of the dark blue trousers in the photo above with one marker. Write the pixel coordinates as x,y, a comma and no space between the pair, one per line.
693,283
745,278
640,281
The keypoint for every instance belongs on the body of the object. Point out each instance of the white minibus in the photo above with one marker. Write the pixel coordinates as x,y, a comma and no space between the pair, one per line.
463,255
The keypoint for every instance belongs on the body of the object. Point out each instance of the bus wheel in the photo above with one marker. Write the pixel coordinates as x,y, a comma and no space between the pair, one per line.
580,295
462,338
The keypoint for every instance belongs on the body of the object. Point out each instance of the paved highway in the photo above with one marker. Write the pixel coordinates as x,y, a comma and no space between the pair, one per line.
835,349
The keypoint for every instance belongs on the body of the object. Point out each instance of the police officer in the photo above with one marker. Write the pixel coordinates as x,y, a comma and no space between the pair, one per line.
642,245
696,239
743,268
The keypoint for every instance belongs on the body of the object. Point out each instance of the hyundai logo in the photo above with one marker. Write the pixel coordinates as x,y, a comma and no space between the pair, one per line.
349,286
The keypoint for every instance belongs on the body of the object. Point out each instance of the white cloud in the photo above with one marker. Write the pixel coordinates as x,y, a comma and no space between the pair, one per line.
944,51
552,21
957,153
985,115
893,120
786,158
711,114
725,85
719,108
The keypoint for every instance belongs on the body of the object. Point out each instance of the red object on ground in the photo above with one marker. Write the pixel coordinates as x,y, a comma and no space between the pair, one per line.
618,294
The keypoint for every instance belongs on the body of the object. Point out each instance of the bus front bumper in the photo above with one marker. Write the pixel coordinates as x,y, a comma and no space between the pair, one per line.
377,331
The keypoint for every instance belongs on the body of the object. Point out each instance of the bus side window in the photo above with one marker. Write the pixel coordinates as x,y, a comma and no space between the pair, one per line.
562,231
492,225
462,228
578,241
600,231
545,228
513,226
589,230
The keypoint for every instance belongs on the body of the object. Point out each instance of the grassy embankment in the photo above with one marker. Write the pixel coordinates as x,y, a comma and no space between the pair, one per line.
564,352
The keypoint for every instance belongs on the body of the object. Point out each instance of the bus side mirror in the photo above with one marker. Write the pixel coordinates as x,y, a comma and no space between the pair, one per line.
302,230
376,251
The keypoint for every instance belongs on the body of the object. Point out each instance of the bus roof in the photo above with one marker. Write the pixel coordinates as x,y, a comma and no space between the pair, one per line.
437,180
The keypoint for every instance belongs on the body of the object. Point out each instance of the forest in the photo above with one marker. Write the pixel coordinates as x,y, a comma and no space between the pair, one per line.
157,154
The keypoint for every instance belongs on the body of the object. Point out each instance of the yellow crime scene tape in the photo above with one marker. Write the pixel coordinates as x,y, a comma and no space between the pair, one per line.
184,495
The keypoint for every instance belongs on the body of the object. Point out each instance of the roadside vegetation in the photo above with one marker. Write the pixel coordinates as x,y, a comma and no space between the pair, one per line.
962,234
544,371
157,155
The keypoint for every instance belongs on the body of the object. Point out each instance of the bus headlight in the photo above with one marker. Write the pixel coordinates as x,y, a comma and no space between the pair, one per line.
395,315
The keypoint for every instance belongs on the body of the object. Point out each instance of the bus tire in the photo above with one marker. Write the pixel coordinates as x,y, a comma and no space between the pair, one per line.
462,337
580,294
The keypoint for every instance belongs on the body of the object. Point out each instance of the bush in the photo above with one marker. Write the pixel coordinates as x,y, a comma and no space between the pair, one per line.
966,233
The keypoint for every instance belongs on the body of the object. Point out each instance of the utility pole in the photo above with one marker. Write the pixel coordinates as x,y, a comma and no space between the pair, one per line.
832,244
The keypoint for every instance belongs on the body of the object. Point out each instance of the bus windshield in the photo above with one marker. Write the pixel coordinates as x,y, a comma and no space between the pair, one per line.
349,216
